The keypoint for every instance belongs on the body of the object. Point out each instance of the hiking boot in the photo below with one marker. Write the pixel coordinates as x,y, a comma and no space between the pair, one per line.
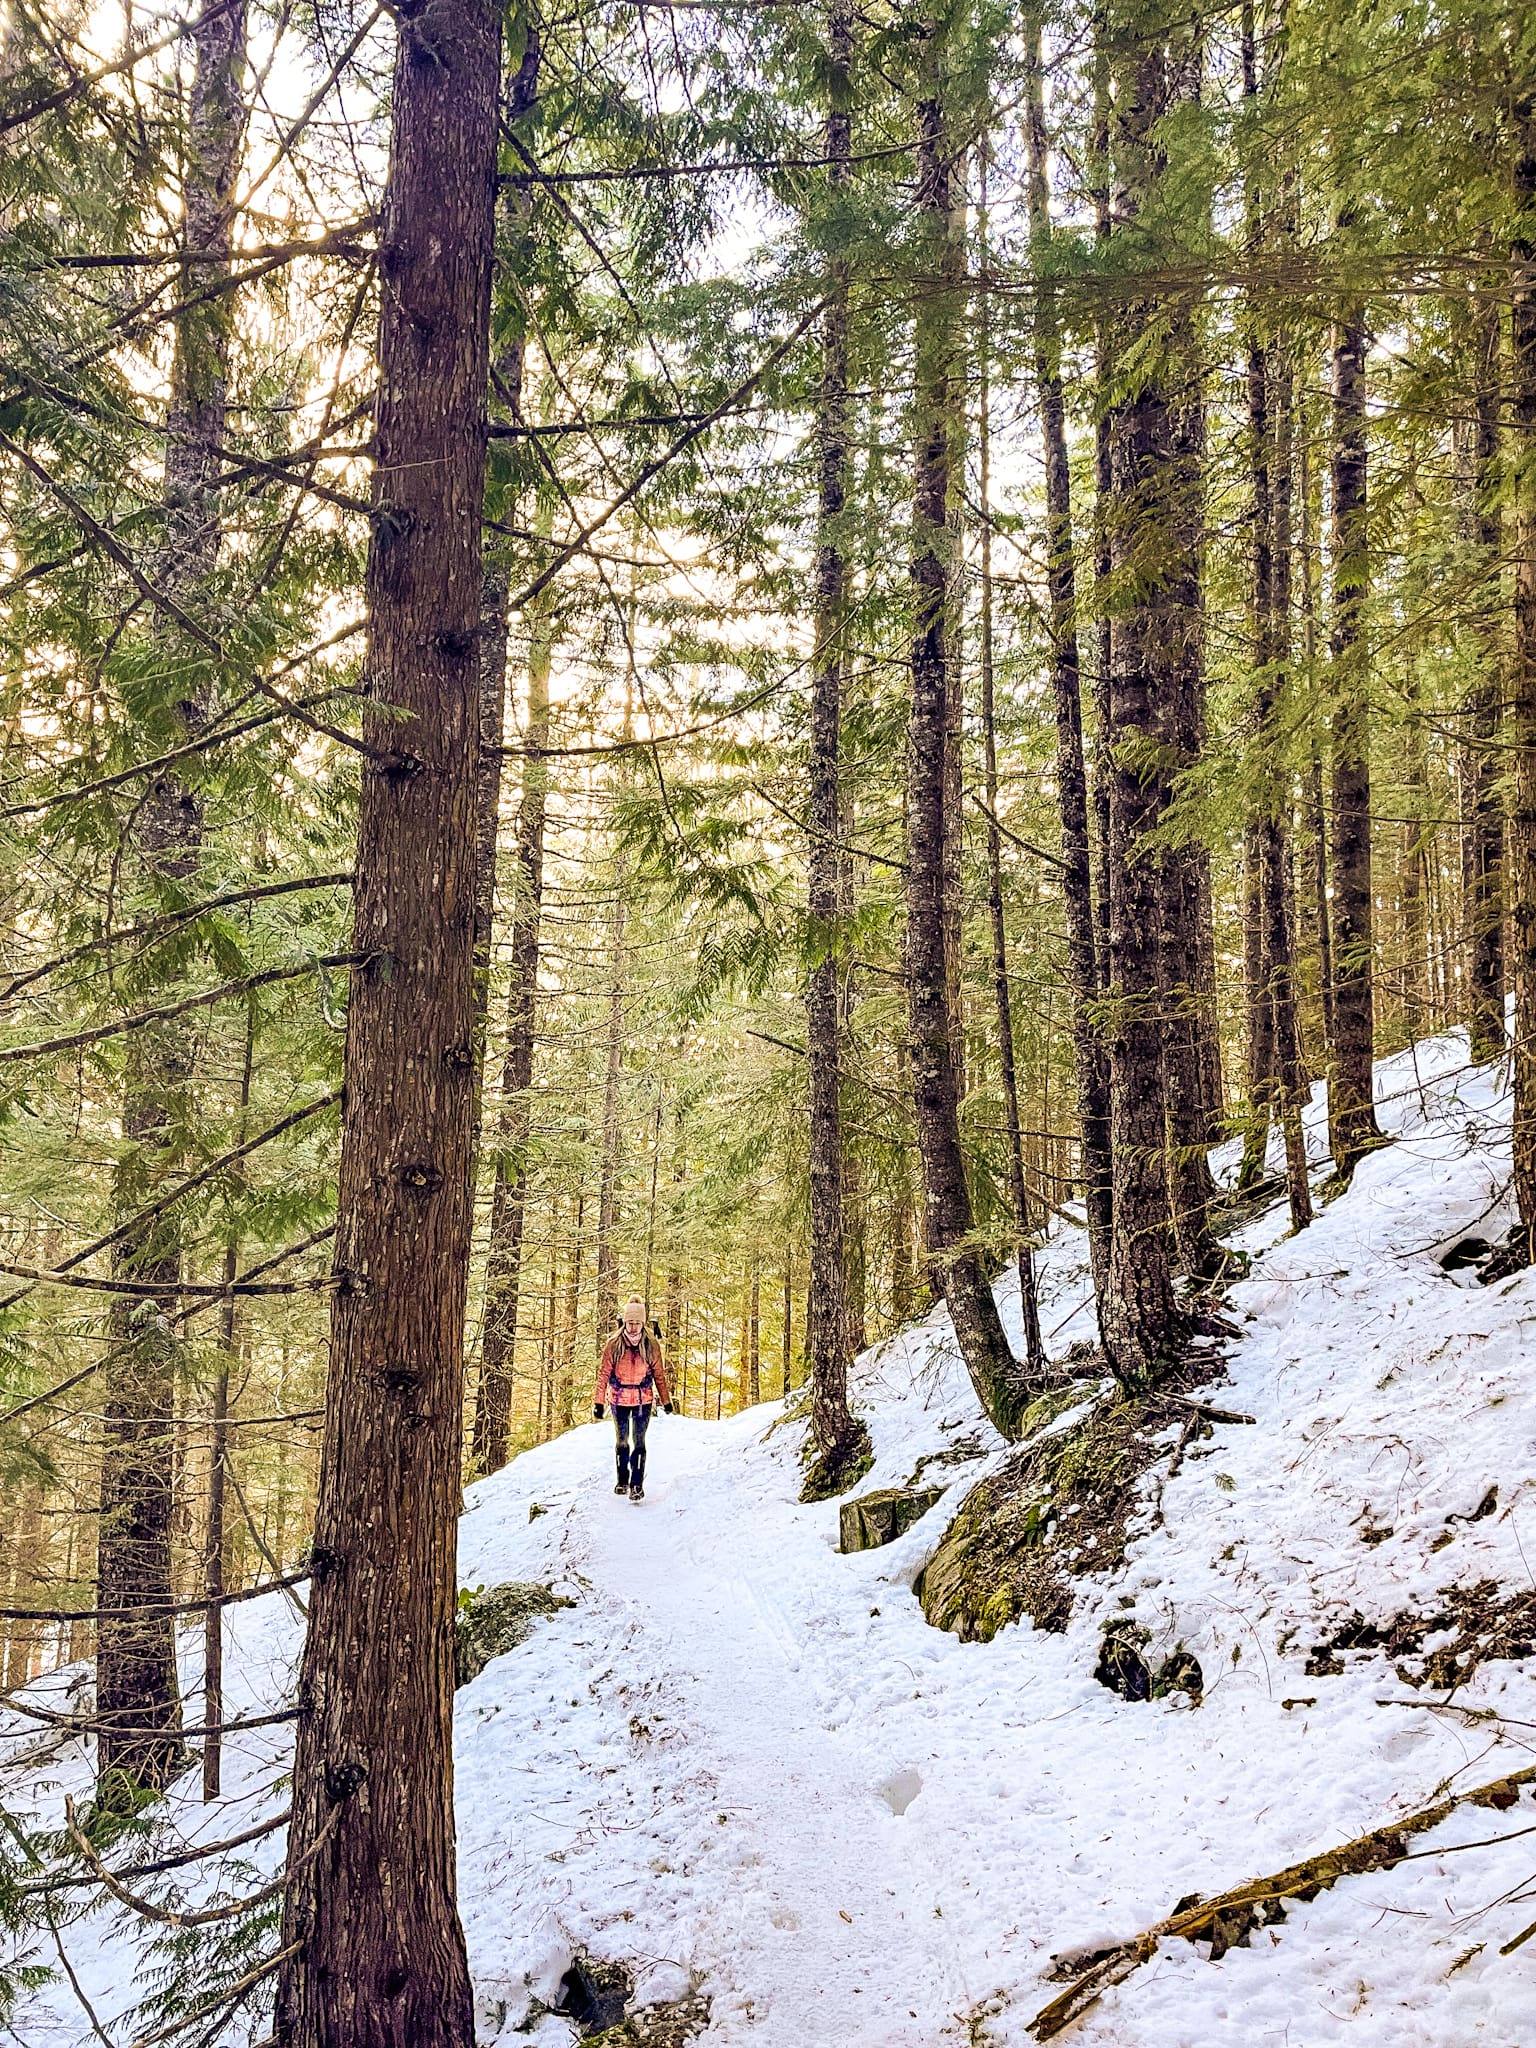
621,1486
637,1491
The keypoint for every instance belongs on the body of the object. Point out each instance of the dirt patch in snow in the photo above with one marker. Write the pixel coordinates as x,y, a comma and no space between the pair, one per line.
1474,1625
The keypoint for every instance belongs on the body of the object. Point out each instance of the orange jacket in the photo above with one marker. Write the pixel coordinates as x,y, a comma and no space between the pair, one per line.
631,1375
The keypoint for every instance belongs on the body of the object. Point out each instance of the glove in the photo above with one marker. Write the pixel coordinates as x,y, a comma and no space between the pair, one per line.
597,1411
668,1406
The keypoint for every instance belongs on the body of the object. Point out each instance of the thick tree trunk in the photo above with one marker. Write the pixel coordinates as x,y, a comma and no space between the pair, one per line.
1351,1109
1191,1070
1522,691
137,1694
835,1434
1154,643
1483,911
1001,1384
1066,685
509,1189
370,1907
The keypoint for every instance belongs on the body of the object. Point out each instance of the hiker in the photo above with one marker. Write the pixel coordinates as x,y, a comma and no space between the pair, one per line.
631,1379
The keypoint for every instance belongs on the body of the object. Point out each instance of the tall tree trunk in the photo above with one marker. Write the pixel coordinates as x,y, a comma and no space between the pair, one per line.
607,1300
215,1534
1484,860
509,1189
755,1335
1066,685
1276,888
1351,1108
1522,691
138,1699
838,1438
1191,1065
787,1326
378,1957
1001,1385
1018,1187
1154,559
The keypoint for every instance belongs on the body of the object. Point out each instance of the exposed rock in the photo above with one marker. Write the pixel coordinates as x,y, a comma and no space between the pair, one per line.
596,1995
672,2025
1180,1673
494,1619
878,1518
1121,1666
1058,1509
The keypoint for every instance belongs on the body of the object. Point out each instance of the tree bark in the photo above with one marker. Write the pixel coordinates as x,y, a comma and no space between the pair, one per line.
509,1189
1277,886
835,1434
1483,915
215,1535
1066,688
1522,692
1029,1293
137,1691
1001,1385
370,1907
607,1300
1351,1108
1154,558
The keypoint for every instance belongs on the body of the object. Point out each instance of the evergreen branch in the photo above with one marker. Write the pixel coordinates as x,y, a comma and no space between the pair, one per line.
182,1316
193,1853
146,1290
166,604
228,1997
170,921
166,1011
152,1609
652,469
83,81
65,1276
1025,845
200,745
168,1916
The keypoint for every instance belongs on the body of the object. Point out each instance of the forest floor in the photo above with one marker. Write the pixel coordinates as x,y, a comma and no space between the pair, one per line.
743,1763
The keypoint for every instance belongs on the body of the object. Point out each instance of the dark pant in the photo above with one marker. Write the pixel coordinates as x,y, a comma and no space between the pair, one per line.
629,1427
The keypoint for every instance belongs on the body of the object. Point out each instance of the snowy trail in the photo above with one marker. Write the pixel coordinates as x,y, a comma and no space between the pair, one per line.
742,1763
817,1918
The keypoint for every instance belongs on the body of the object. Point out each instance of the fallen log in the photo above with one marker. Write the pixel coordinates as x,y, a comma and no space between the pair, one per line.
1228,1911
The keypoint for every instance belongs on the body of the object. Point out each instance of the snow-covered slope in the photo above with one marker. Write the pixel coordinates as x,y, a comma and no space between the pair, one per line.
745,1761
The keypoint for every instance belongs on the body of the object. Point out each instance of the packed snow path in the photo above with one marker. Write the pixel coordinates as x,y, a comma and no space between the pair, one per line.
775,1851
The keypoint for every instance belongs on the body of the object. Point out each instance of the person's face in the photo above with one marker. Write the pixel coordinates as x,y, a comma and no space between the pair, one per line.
632,1322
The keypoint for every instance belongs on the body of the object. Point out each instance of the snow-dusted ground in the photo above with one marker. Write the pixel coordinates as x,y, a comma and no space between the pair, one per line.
745,1760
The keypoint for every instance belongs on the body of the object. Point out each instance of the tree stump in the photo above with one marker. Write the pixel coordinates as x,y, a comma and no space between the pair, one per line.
878,1518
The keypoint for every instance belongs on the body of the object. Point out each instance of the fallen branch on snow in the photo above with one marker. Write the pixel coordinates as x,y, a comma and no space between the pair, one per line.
1379,1850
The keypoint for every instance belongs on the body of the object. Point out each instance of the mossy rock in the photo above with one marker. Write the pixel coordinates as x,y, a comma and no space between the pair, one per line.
875,1519
831,1472
494,1619
1058,1509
